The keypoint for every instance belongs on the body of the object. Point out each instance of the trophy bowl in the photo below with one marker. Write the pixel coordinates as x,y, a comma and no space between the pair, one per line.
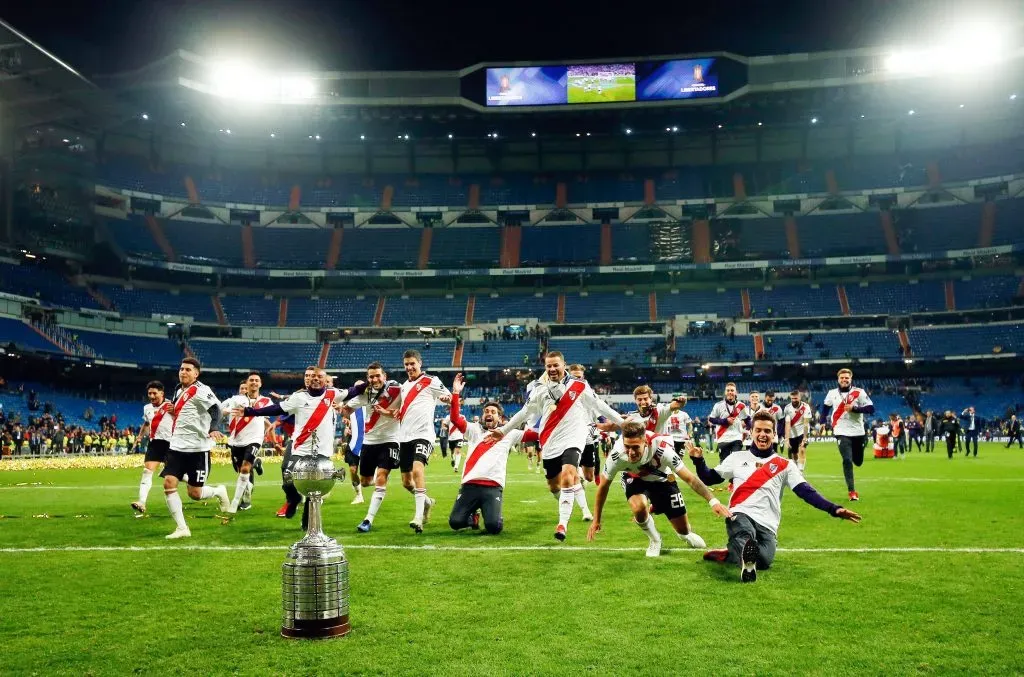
311,475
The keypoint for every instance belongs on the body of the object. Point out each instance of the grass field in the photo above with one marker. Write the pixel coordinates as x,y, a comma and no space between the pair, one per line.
623,88
929,583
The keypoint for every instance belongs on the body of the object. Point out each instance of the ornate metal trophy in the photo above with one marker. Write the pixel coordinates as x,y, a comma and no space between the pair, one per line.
315,573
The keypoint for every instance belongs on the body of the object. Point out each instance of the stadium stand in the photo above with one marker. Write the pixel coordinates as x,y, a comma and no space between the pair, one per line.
606,306
357,354
139,302
512,306
44,285
256,354
409,311
987,339
24,336
347,311
250,310
895,298
135,348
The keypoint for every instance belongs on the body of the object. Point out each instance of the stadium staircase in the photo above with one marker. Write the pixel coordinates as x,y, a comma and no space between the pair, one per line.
844,301
248,251
100,298
334,249
218,308
457,355
905,343
325,351
758,347
701,241
892,244
560,313
282,312
39,329
295,198
950,295
378,314
934,175
511,246
652,307
190,189
988,224
606,244
745,298
426,238
792,237
470,311
187,349
157,231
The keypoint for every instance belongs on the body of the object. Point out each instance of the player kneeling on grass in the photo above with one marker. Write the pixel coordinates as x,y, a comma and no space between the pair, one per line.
759,476
646,461
483,477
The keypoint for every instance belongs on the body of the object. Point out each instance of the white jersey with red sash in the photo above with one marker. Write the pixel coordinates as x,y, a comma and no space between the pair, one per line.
846,422
568,408
798,418
159,419
419,400
486,460
679,426
730,433
245,430
190,418
658,463
315,421
379,429
757,485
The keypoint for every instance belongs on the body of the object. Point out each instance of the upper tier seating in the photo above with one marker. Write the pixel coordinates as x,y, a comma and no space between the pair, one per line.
44,285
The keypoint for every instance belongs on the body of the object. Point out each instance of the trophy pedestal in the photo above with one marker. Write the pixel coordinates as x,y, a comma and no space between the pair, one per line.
314,576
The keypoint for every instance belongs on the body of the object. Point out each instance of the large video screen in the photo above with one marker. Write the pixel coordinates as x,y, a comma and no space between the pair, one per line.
600,83
679,79
606,83
532,86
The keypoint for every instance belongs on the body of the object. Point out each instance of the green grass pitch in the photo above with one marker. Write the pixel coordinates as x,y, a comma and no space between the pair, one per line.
622,89
929,583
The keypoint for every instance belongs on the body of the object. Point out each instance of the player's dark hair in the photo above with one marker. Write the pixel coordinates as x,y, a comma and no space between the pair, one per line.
501,409
554,354
193,361
633,429
794,392
763,415
375,365
313,367
414,354
254,373
769,393
155,384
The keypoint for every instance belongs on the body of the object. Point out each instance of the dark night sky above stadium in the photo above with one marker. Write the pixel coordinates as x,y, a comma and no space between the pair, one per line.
116,35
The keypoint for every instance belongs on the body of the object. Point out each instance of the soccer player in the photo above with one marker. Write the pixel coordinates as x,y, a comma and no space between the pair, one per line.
680,426
589,458
849,405
654,416
646,461
455,438
483,479
245,439
759,475
798,428
315,415
349,439
420,395
729,416
195,415
379,455
157,424
569,406
775,410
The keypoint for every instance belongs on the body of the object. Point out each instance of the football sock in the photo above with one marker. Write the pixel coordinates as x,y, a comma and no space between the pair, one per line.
649,528
375,501
457,456
566,501
247,498
145,484
241,484
357,488
206,492
174,507
581,497
421,500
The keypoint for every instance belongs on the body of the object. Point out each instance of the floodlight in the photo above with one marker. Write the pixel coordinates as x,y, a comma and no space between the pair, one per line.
362,137
628,130
814,121
145,116
910,112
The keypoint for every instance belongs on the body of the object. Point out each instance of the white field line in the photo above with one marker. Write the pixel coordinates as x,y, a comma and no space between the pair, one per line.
492,548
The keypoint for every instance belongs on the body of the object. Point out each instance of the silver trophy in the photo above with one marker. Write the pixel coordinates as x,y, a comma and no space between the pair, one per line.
315,573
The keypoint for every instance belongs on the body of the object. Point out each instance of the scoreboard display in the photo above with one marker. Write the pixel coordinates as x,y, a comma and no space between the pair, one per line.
675,79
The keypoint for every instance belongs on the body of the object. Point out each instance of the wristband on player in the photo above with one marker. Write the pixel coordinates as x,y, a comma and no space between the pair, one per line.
713,502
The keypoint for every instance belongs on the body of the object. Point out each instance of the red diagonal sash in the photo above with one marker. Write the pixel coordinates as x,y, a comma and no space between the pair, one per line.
757,480
797,415
652,420
421,385
477,453
736,410
841,408
238,424
181,402
384,401
571,394
158,416
316,417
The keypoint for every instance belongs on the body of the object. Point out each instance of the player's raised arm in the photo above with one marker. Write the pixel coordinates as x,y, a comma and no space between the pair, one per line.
457,419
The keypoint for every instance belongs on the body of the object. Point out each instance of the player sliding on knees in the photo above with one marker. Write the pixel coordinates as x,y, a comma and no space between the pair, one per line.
569,406
483,478
195,415
759,475
647,461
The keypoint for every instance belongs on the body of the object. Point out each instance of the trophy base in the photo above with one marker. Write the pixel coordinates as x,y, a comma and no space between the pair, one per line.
318,629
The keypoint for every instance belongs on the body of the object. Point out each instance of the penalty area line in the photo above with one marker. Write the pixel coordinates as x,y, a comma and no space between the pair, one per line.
485,548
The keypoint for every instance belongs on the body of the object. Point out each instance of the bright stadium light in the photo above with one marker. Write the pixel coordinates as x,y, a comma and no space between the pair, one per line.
628,130
971,44
533,135
1013,97
760,124
145,116
675,129
719,126
577,134
406,137
272,135
237,80
910,112
227,131
362,137
814,121
182,124
451,136
317,137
